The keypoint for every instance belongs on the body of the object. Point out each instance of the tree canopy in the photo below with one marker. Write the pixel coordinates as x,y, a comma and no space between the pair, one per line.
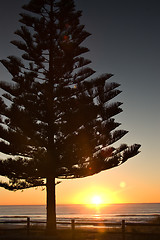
57,105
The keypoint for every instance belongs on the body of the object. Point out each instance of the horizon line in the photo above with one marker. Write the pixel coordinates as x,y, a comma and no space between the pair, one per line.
102,204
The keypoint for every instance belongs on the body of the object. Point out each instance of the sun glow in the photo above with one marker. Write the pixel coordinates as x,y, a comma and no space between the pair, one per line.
95,196
97,200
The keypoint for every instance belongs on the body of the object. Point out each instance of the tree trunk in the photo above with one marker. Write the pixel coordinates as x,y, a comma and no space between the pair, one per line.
51,205
51,194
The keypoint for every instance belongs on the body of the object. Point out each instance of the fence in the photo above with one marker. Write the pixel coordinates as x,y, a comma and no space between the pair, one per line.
27,222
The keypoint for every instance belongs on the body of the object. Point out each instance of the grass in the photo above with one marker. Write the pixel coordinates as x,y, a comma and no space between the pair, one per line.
38,233
79,234
63,234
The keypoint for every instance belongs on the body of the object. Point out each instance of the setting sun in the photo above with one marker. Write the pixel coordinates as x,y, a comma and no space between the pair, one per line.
95,196
96,200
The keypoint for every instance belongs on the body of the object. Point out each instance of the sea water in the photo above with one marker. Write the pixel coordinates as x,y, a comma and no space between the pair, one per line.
136,212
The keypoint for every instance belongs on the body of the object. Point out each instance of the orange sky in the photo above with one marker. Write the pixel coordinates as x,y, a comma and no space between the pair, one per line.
111,186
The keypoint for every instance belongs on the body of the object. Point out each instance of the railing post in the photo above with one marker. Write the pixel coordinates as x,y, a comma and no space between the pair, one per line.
73,227
123,229
73,224
28,225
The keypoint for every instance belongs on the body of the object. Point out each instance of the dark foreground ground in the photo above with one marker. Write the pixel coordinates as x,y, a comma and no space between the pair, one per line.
80,234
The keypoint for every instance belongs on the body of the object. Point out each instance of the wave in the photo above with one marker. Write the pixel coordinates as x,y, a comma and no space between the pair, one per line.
108,213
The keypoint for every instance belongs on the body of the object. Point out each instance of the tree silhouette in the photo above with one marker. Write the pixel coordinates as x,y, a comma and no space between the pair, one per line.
56,122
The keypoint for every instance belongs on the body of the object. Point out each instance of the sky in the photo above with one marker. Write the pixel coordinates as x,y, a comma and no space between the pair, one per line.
125,41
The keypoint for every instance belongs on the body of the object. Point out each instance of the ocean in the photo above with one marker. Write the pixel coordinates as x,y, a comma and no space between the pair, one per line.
136,212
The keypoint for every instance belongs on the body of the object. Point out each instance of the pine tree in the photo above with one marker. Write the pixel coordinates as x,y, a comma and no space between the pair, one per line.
56,122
